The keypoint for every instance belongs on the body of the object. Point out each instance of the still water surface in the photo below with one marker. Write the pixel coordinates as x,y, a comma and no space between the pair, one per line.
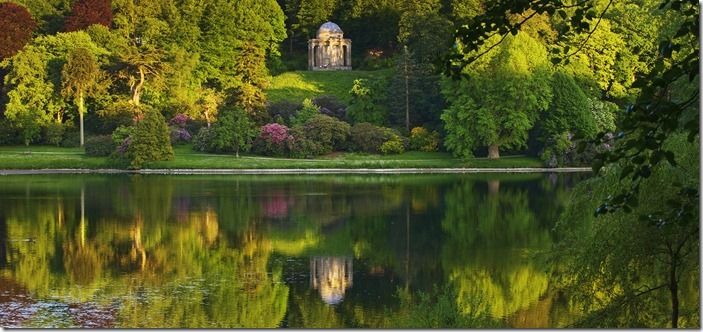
279,251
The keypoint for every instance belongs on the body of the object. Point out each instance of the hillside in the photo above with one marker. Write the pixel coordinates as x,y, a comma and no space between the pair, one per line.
298,85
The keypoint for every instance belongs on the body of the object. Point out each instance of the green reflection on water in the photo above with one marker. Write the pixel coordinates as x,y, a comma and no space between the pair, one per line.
237,251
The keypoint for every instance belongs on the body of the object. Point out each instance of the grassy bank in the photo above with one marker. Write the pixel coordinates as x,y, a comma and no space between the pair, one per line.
39,157
298,85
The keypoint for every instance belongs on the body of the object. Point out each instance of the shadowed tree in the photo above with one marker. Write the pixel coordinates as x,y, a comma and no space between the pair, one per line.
80,78
17,28
85,13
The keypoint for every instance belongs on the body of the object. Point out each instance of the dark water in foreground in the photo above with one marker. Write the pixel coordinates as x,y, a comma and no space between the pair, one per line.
268,251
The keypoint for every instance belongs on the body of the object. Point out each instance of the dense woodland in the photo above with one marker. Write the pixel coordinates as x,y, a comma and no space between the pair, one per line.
207,64
613,83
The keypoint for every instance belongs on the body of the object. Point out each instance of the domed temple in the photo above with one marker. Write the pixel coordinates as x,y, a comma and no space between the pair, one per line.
330,50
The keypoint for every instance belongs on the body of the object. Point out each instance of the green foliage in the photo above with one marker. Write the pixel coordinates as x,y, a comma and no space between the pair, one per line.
637,266
569,117
394,145
149,141
422,139
501,99
367,102
53,133
99,146
307,112
233,132
80,78
367,137
330,133
34,79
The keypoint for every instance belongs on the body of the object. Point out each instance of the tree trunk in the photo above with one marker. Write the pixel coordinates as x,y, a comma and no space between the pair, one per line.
493,151
407,92
81,110
674,288
138,88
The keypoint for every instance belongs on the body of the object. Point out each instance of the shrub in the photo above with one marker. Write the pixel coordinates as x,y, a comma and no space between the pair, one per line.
366,137
330,133
300,146
53,133
331,106
180,135
423,140
306,113
273,140
71,139
9,135
284,109
394,145
203,139
99,146
149,141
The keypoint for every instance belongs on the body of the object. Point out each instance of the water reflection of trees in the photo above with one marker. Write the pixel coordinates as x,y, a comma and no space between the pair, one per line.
489,254
197,252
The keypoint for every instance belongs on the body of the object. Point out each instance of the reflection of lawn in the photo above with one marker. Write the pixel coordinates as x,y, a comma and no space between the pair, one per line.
52,157
298,85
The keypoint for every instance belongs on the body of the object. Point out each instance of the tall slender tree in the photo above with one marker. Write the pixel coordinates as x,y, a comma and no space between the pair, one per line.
80,79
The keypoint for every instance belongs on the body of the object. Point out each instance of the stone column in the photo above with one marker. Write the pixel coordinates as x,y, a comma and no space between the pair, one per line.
310,54
348,60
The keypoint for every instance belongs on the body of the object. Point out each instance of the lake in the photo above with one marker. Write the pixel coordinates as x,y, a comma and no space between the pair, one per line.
281,251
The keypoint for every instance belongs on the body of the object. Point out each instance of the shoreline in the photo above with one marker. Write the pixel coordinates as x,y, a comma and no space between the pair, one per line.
292,171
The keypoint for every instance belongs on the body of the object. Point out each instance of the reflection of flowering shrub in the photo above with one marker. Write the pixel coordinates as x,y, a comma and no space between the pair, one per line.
276,207
273,140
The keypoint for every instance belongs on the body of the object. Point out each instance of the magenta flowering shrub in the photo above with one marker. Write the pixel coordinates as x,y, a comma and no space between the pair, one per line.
273,140
180,120
179,133
274,133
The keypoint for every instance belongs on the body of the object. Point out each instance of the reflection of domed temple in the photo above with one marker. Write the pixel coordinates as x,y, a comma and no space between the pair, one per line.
331,276
330,51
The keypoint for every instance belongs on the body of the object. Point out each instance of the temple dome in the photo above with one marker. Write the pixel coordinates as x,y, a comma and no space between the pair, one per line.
328,29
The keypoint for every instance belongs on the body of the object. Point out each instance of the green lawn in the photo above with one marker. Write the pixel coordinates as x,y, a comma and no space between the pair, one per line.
38,157
298,85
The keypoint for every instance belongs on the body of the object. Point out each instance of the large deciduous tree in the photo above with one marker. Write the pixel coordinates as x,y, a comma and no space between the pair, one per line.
85,13
499,100
80,78
16,28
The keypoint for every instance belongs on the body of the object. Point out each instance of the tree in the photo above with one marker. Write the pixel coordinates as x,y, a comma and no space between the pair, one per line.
150,140
312,13
414,96
666,104
34,80
17,28
500,100
568,117
367,103
85,13
80,79
233,130
138,65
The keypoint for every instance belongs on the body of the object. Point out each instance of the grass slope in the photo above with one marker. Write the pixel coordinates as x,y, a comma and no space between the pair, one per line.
52,157
298,85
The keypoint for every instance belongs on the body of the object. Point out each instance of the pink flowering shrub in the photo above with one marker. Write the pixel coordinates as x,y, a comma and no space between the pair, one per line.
179,133
273,140
179,120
